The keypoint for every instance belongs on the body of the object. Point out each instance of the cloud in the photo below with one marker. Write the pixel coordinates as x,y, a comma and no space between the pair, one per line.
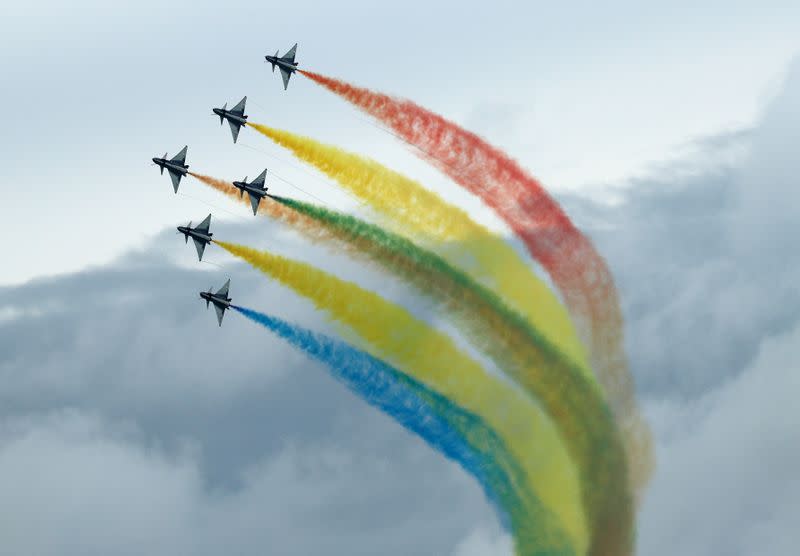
131,423
74,483
727,481
706,260
703,255
481,542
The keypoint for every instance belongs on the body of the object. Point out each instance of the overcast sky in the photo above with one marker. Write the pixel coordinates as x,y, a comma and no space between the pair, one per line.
583,93
130,423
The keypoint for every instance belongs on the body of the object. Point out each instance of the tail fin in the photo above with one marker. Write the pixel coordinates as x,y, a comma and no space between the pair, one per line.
273,63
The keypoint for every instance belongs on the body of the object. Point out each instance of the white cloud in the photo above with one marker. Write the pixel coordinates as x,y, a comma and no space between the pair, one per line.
727,479
482,542
72,487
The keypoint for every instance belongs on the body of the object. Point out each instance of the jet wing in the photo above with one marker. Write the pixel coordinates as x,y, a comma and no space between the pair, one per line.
220,313
235,126
289,56
259,181
201,246
204,225
223,291
239,108
286,75
180,158
176,179
254,200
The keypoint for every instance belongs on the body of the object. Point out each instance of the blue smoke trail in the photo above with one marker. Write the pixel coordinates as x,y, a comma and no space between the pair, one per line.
459,435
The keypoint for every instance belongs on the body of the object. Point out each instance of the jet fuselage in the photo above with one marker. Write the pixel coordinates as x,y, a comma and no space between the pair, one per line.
194,234
222,113
220,301
245,187
164,163
276,61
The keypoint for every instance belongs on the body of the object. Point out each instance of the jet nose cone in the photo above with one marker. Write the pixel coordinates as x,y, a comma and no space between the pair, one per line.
155,160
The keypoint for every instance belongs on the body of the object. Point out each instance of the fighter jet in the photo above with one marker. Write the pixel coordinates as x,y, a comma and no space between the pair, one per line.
220,300
255,189
176,166
199,234
235,117
285,63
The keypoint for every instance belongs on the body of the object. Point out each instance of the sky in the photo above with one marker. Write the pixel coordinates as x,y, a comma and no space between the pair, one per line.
131,423
583,94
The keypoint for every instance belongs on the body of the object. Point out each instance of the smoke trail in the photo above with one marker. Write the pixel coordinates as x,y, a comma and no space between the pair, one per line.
506,337
360,239
269,209
431,357
588,430
431,220
604,494
545,542
457,434
481,314
309,227
568,256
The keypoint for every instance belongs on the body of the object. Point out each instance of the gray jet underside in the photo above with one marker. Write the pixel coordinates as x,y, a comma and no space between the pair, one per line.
235,116
176,167
220,300
286,64
201,236
256,189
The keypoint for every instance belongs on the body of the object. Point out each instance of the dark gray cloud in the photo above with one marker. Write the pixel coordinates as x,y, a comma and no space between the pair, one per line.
705,255
131,423
706,259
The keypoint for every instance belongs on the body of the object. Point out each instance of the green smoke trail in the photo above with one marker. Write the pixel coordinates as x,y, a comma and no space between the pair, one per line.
568,395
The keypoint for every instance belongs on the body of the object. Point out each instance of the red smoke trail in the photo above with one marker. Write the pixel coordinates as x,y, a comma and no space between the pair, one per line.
580,273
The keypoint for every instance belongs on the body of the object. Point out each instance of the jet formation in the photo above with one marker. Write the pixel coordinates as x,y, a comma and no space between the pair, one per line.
256,190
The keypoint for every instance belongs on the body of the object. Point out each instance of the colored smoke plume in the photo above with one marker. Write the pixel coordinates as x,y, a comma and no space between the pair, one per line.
429,219
577,269
455,433
432,358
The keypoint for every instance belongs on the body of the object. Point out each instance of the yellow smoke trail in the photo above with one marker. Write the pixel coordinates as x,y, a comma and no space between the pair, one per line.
427,215
582,419
431,357
431,220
